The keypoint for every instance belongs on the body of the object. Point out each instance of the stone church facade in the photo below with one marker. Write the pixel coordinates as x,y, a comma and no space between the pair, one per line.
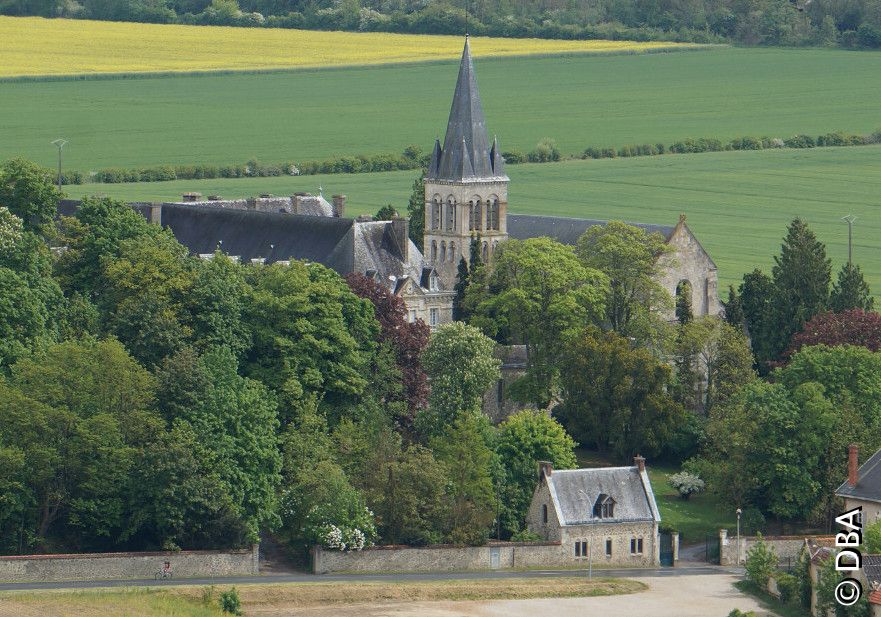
466,195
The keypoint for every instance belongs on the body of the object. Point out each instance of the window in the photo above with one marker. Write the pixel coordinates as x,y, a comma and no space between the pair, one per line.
411,316
578,549
432,317
492,214
432,281
544,513
639,546
604,507
609,547
452,251
485,249
436,214
434,250
636,546
451,214
443,255
581,549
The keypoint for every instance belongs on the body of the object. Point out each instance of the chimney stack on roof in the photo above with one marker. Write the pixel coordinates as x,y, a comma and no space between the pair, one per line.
191,197
339,205
853,451
545,468
639,462
401,231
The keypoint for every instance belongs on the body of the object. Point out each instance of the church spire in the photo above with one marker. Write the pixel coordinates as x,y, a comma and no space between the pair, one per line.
466,124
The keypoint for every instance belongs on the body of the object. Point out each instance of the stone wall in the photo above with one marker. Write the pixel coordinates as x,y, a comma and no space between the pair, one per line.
787,547
107,566
439,558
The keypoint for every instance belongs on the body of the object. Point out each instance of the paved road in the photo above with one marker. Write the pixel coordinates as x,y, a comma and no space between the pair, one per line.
345,578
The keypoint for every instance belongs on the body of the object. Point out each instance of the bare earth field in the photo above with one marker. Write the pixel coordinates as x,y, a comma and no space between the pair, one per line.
677,596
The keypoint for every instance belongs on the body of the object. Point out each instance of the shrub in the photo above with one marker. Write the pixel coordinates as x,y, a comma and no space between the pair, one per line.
686,483
789,587
739,613
752,521
524,535
761,561
513,157
800,141
746,143
545,151
230,602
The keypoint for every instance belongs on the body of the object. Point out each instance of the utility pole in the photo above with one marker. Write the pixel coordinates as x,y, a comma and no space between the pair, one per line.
739,512
849,219
59,143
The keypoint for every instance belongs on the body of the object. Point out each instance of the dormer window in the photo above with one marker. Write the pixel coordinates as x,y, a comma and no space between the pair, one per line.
433,281
604,507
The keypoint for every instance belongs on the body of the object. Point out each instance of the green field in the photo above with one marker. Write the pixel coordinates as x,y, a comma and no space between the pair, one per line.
738,203
312,114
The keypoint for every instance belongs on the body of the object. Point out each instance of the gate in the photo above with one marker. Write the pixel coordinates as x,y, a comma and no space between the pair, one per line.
666,549
712,549
494,561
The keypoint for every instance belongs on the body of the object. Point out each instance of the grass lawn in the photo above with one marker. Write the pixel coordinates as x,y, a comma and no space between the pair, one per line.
738,203
696,518
580,101
770,602
190,601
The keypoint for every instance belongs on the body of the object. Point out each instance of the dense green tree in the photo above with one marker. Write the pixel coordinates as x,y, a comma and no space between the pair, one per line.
78,414
631,258
462,279
467,460
216,302
311,336
734,314
801,277
542,292
30,193
386,213
851,291
757,298
416,212
524,439
460,366
237,419
684,312
616,396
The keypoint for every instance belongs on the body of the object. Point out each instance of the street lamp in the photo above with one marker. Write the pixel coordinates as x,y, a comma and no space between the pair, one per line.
739,512
59,143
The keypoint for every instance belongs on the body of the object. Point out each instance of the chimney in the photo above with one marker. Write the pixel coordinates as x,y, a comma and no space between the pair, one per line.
296,200
401,229
339,205
192,197
545,468
853,452
154,213
639,462
252,203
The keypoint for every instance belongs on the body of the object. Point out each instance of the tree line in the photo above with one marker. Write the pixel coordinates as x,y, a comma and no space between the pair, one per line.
149,399
852,24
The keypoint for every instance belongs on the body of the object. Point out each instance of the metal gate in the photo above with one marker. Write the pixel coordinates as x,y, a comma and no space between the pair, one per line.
712,549
666,549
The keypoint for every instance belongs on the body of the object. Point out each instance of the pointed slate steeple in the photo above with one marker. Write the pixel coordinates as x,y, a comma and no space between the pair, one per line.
498,162
466,124
434,165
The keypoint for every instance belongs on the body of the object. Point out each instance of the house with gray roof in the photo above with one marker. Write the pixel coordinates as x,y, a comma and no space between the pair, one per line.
863,485
606,515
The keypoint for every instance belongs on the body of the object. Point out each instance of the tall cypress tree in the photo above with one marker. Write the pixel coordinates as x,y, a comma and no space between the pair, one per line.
416,211
802,274
851,291
684,313
462,279
734,309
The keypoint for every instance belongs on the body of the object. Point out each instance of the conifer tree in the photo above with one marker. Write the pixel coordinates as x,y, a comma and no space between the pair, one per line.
734,309
801,275
851,291
684,314
462,279
416,211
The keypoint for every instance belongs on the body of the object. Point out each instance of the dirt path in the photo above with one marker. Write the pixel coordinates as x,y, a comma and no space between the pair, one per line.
680,596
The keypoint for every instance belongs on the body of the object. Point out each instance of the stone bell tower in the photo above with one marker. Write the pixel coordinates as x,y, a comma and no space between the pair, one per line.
466,189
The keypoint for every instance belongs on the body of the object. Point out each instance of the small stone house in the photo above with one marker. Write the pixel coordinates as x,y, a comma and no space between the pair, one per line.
606,516
863,485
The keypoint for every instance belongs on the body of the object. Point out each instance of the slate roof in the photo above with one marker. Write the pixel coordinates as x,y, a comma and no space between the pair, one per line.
872,570
376,248
575,491
565,230
466,153
274,236
868,485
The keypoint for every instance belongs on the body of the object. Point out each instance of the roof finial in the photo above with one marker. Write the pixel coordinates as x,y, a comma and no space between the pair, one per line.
681,219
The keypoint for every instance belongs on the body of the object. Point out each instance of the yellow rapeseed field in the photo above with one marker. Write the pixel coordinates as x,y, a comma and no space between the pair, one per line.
33,46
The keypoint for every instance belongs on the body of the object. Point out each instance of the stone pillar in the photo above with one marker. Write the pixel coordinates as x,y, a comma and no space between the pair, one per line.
675,535
154,213
724,559
339,205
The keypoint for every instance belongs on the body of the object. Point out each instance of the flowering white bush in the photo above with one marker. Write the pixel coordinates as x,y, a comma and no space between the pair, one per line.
686,483
10,229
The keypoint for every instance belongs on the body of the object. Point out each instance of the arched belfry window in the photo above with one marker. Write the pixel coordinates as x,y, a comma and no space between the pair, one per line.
471,208
451,214
475,215
434,250
436,213
452,251
485,251
443,255
492,214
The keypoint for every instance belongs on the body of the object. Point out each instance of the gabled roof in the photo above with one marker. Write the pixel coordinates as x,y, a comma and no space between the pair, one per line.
466,151
872,572
868,485
566,230
576,491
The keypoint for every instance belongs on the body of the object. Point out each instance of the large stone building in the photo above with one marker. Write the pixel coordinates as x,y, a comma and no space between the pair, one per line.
466,195
604,515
